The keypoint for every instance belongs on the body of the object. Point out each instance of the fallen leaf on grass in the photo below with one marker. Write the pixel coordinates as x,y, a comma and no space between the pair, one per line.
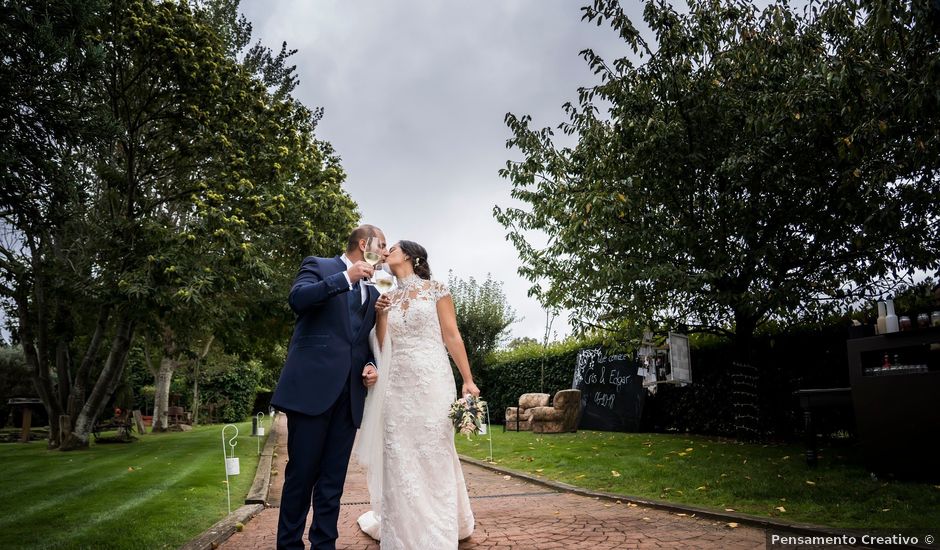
130,468
689,450
702,488
780,509
615,473
886,509
539,470
682,454
808,482
579,476
729,509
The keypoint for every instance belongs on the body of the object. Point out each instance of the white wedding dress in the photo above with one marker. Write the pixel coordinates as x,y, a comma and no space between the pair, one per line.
419,497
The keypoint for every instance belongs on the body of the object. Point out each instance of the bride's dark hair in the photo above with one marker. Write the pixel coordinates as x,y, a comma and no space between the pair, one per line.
419,258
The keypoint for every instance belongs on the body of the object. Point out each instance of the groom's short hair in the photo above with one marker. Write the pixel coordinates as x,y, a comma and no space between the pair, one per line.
362,232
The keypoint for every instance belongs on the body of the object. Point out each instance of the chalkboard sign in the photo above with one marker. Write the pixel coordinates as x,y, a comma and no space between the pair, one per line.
612,392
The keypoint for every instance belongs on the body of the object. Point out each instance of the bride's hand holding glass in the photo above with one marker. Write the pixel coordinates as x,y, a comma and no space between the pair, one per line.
382,304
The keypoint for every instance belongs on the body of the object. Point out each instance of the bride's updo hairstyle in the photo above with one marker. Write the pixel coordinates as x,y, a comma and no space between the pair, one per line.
419,258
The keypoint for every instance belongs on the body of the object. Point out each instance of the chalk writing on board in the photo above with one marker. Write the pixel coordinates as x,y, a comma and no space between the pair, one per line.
612,393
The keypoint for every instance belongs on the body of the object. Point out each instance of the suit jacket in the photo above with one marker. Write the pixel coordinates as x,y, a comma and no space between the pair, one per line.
323,352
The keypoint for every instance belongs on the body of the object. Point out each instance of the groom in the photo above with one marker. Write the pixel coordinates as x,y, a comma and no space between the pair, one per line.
323,385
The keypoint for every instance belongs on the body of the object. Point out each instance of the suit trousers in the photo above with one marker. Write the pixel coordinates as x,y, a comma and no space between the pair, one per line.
318,450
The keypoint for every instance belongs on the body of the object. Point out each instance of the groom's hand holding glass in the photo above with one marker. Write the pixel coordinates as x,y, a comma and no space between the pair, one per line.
358,271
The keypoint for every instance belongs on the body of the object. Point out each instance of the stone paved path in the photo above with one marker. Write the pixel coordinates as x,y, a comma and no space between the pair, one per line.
514,513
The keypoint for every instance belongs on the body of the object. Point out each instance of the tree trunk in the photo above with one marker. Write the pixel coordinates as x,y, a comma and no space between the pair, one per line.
161,393
744,379
205,351
113,369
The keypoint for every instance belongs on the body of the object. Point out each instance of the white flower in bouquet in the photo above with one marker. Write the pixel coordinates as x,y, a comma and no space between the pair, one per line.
468,415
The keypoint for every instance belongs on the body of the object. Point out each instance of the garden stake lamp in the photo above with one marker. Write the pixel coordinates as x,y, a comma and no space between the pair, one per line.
231,462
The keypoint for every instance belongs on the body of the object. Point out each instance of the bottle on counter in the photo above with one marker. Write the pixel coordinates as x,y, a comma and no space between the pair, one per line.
891,320
923,320
880,326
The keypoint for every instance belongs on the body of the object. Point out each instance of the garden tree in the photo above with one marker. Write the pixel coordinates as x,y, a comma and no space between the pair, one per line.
521,341
483,315
197,184
49,55
750,165
184,327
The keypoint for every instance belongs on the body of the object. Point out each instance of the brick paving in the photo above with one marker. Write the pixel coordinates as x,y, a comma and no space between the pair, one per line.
512,513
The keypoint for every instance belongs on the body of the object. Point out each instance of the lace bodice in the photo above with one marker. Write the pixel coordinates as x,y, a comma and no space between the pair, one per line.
412,318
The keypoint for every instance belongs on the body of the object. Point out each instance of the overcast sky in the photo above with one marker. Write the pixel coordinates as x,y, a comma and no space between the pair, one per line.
414,94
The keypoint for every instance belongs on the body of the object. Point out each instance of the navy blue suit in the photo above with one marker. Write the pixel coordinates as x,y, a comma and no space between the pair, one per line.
321,391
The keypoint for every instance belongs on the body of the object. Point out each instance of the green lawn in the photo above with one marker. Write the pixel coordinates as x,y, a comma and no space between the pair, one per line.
157,492
763,480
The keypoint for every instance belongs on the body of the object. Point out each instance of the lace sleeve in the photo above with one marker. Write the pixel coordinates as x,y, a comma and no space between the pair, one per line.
439,290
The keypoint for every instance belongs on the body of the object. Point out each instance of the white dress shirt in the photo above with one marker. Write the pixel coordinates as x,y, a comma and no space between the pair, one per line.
362,287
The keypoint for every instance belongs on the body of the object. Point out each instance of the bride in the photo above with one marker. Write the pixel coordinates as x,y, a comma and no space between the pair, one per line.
418,495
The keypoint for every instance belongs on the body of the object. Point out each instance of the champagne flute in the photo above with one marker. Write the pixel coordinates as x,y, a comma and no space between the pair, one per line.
373,254
383,282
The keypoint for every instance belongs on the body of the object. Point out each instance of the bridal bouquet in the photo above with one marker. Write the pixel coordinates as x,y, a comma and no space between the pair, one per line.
468,415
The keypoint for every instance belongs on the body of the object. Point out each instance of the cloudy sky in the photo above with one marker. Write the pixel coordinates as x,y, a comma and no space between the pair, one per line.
415,93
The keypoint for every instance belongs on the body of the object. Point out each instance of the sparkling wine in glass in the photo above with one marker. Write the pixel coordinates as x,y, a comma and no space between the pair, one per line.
383,284
372,254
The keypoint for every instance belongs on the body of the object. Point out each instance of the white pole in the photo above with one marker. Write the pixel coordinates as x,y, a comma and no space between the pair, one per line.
232,442
260,432
489,431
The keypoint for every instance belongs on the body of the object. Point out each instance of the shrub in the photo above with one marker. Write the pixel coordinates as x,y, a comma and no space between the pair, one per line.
231,390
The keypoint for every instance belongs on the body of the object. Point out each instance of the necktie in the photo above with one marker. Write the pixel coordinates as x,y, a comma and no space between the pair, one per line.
355,307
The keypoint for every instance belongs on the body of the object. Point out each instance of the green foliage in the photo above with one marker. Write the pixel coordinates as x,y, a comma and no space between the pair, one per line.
749,165
483,315
231,387
152,182
521,341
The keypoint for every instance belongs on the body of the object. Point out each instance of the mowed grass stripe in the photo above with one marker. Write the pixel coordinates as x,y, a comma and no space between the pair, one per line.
66,469
22,515
157,492
124,511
